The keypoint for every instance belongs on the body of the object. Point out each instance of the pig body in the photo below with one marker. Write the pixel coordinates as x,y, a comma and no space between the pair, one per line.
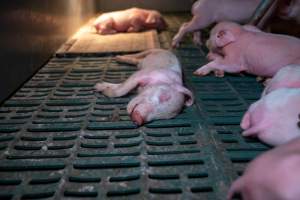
207,12
247,49
274,175
130,20
273,119
161,94
286,77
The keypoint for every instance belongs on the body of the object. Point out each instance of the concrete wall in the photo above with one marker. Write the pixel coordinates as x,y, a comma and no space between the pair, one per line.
31,31
161,5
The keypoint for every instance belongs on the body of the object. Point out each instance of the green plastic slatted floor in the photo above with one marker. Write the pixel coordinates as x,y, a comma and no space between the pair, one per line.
60,140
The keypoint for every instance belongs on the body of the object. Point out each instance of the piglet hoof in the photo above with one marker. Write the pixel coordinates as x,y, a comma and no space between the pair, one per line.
267,81
119,58
201,72
175,42
125,59
219,73
197,39
174,45
105,88
263,80
99,87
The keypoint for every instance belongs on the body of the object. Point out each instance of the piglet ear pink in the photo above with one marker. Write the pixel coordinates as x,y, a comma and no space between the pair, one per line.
252,131
188,94
245,123
150,19
224,37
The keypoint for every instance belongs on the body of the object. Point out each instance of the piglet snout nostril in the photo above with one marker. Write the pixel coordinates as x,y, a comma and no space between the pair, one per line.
137,118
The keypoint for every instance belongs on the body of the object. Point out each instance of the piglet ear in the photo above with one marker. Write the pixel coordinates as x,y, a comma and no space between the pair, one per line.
224,37
150,19
188,94
246,121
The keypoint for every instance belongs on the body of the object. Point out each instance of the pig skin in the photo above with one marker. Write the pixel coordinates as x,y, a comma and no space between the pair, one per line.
207,12
274,175
247,49
286,77
130,20
161,94
273,119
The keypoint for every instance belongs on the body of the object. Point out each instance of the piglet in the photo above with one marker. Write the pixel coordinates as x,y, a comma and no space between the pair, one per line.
207,12
245,48
130,20
274,175
286,77
273,119
161,94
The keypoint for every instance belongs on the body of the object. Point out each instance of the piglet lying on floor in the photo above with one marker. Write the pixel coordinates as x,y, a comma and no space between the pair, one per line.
161,94
273,119
274,175
130,20
286,77
245,48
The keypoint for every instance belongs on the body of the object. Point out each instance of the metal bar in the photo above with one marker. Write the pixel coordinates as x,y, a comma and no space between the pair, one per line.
261,11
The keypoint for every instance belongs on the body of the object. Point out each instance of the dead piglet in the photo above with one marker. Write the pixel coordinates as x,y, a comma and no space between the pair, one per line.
245,48
207,12
161,94
273,119
286,77
274,175
130,20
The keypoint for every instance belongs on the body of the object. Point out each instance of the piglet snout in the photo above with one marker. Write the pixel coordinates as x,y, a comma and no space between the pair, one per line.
137,118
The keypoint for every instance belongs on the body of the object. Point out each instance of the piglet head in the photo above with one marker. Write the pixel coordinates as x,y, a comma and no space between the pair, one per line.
140,113
223,34
156,21
158,102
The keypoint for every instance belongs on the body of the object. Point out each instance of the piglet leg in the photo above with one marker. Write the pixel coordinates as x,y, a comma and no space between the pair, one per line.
197,38
184,29
213,56
106,28
218,69
195,24
133,59
119,89
218,66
